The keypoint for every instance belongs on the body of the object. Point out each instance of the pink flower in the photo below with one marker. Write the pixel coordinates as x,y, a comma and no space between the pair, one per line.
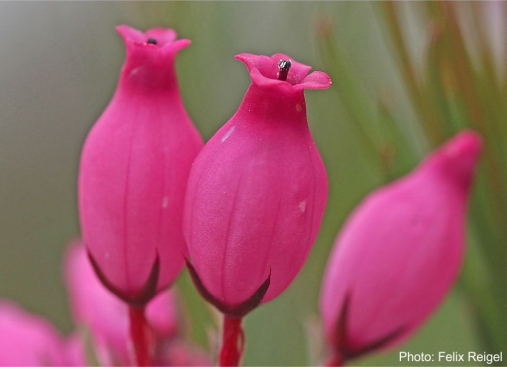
29,340
134,168
399,253
257,191
179,353
94,307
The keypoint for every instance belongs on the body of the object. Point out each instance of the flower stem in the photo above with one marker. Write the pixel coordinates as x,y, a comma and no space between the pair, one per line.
233,341
139,335
334,361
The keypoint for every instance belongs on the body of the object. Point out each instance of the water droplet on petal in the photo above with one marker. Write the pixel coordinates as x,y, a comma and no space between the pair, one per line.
228,133
302,206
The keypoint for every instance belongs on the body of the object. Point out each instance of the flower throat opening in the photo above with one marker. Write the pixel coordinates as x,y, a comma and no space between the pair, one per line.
153,41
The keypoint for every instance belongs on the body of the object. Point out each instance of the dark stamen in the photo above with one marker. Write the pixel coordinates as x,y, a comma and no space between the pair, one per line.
284,66
153,41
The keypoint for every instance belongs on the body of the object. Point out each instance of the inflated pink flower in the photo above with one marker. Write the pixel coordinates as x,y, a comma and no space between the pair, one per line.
257,191
134,169
29,340
398,254
106,317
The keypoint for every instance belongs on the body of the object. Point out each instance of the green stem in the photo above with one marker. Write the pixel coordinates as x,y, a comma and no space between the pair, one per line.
357,105
417,98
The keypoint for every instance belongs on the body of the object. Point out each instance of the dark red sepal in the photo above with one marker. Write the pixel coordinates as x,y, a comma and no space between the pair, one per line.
237,311
142,297
344,349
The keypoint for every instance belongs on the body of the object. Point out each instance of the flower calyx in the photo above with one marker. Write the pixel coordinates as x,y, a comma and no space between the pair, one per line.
239,310
140,298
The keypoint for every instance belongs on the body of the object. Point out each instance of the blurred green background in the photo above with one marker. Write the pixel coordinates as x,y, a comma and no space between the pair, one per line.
59,65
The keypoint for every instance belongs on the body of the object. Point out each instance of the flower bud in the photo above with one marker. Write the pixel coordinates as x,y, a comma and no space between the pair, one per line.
133,172
257,191
399,253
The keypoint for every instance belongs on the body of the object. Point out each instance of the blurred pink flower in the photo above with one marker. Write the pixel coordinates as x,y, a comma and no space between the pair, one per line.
29,340
94,307
257,191
179,353
398,254
134,169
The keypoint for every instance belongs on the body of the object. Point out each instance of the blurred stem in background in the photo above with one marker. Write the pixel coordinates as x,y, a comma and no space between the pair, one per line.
456,86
